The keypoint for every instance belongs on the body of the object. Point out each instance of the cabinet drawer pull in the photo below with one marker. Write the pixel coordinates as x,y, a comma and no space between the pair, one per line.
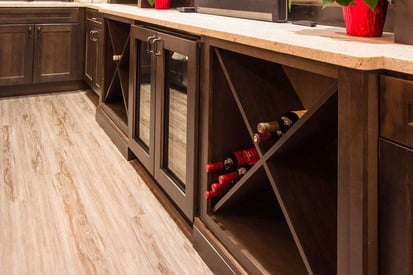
92,35
409,115
117,57
156,47
149,44
29,32
39,32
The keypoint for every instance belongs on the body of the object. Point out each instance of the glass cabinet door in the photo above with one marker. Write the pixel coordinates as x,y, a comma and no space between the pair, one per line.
175,104
163,110
142,97
176,109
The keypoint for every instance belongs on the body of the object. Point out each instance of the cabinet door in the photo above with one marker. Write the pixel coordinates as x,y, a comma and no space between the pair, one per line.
99,61
56,53
16,54
176,116
396,209
90,55
142,97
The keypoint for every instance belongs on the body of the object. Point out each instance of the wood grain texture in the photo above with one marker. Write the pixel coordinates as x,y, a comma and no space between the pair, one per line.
71,204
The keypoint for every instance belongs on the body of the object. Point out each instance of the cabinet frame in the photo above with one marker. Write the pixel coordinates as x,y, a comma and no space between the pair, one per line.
93,70
357,202
111,113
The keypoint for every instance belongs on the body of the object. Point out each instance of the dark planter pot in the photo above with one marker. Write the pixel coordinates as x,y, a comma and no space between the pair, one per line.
403,22
360,20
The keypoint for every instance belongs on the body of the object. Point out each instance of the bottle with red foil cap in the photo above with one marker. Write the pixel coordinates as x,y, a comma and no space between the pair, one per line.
210,194
233,160
234,176
218,189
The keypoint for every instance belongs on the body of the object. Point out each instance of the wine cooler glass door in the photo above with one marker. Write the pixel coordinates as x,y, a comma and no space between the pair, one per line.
144,99
176,106
174,164
143,72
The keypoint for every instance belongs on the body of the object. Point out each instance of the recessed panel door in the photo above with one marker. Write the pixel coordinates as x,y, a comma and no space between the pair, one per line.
16,54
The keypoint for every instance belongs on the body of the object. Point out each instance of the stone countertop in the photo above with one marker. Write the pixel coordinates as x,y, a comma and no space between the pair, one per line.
39,4
321,43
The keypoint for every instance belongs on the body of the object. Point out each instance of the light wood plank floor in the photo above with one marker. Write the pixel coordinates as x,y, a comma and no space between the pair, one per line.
71,204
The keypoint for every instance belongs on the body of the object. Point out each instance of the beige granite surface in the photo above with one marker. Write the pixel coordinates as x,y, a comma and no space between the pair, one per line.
322,43
39,4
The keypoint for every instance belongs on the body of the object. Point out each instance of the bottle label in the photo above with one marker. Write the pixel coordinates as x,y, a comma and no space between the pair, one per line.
246,156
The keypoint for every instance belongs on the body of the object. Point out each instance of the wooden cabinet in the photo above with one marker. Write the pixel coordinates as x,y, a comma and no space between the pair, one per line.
94,50
16,54
112,112
40,47
281,216
163,104
396,176
56,52
396,209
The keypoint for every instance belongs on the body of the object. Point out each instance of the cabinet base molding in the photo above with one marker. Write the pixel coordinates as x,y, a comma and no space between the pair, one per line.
214,254
115,134
21,90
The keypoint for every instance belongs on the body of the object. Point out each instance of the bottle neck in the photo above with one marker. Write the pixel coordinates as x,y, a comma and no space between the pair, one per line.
216,166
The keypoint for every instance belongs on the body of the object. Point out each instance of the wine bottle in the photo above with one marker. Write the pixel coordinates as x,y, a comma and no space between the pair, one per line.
236,175
233,160
210,194
283,124
267,136
218,190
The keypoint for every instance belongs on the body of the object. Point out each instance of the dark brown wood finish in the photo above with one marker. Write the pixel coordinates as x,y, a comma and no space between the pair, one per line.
56,53
112,112
113,131
44,15
357,172
264,219
94,50
396,109
16,46
46,46
90,55
395,209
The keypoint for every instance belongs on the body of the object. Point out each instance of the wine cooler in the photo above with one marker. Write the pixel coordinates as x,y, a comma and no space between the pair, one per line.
163,110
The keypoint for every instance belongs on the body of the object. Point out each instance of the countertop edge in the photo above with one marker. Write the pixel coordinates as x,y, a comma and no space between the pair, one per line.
323,43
